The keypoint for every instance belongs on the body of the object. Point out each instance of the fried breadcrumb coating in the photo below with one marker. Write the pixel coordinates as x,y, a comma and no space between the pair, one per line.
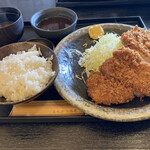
126,74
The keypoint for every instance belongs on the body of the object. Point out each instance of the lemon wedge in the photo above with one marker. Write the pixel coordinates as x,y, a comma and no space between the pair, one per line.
95,31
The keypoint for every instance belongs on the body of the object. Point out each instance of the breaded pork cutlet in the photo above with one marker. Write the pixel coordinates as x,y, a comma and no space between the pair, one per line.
112,85
126,74
123,64
104,89
141,76
129,67
138,40
120,78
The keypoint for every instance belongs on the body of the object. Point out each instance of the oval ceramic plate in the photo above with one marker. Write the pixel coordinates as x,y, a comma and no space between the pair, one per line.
75,91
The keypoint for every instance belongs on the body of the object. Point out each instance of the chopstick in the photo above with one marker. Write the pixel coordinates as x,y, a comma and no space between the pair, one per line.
45,108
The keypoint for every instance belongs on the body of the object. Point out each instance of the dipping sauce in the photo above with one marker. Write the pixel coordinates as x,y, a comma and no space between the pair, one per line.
5,24
55,23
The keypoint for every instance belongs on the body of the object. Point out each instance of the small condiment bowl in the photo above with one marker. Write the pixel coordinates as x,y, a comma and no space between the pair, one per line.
24,46
44,41
11,25
57,34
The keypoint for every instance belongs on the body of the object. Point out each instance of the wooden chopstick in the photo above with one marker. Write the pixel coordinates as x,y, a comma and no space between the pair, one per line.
45,108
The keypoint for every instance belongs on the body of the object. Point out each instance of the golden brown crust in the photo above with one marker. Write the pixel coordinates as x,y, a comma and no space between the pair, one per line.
129,67
126,74
107,90
138,40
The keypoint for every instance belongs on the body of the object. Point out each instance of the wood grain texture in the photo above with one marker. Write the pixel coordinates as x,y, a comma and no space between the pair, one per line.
45,108
108,135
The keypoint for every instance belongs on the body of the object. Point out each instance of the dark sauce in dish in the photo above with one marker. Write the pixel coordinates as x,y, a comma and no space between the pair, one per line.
55,23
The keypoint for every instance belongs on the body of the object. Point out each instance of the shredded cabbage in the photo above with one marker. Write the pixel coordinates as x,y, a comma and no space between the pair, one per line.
94,56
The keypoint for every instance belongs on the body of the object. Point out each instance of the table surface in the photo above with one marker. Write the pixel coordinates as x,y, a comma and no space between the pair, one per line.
80,135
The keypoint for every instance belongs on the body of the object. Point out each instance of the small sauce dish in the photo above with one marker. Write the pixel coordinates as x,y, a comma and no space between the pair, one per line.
54,23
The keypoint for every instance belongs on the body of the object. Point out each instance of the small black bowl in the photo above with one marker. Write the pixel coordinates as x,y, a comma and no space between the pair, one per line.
44,41
11,25
54,35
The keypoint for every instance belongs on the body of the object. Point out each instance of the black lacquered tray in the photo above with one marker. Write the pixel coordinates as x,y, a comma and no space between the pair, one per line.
51,94
84,3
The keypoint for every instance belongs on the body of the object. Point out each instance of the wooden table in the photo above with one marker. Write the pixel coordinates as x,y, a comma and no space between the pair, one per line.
77,135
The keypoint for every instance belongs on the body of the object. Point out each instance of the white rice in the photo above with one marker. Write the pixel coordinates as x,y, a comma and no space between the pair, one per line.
24,74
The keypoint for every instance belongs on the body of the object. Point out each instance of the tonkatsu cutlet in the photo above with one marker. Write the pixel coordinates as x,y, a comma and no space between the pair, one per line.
126,74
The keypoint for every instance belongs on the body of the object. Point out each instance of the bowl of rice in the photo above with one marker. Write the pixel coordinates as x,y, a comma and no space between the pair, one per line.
27,69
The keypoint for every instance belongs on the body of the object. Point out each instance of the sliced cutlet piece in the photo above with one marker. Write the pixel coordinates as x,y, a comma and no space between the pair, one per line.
129,67
140,70
138,40
118,67
104,89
